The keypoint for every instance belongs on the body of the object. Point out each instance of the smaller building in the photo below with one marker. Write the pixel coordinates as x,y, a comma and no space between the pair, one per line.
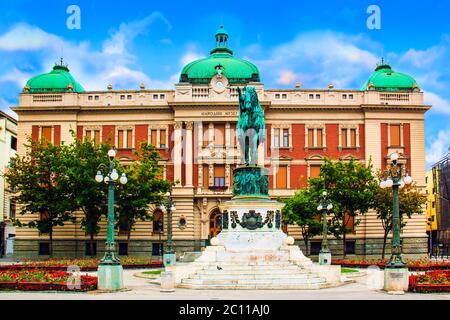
431,209
8,147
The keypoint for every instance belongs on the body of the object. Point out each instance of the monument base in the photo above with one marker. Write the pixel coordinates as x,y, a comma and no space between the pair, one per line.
169,259
110,277
396,280
324,258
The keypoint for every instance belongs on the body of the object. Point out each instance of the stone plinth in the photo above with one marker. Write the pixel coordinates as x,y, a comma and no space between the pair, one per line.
110,277
396,280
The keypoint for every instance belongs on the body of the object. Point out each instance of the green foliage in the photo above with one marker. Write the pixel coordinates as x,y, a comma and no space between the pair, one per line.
43,187
145,186
350,186
91,197
301,210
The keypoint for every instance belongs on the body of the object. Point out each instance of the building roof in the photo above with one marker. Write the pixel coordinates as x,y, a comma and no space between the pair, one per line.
7,116
221,60
57,80
386,79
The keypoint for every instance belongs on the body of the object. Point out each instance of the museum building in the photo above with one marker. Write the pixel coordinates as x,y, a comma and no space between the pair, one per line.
194,128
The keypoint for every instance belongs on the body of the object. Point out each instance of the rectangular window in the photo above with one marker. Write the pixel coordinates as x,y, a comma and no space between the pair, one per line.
44,248
162,138
314,171
349,222
219,175
153,136
12,210
277,96
344,138
89,98
93,135
315,247
233,134
310,138
284,96
350,247
129,97
155,97
122,97
120,138
87,249
395,135
46,135
123,249
353,138
350,96
158,222
162,96
344,96
13,143
282,177
97,98
285,138
219,134
276,138
319,138
311,96
205,176
317,96
157,249
205,135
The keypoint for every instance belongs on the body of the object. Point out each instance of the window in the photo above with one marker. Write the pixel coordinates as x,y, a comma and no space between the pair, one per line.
89,98
314,171
276,138
350,247
12,210
96,98
162,138
157,249
158,221
395,135
44,248
233,134
285,138
93,135
123,249
129,97
284,96
315,247
350,96
153,137
348,138
46,135
87,249
205,135
205,176
13,143
125,139
315,138
122,97
317,96
344,96
310,138
319,133
349,222
155,97
277,96
219,176
162,96
282,177
219,134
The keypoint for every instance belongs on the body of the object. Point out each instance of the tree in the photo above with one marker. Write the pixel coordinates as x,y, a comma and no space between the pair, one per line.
350,186
43,186
91,197
145,186
411,201
301,209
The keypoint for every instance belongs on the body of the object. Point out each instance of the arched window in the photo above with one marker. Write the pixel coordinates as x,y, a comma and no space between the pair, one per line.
215,223
158,221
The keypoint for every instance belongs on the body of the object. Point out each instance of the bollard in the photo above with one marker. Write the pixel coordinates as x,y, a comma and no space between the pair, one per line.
167,281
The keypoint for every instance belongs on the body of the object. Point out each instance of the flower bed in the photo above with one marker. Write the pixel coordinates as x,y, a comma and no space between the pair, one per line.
85,264
413,265
432,281
42,280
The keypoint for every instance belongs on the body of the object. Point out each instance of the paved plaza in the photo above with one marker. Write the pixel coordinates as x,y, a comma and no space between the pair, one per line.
142,289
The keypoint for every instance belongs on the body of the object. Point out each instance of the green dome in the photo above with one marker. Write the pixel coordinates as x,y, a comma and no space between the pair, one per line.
57,80
386,79
237,71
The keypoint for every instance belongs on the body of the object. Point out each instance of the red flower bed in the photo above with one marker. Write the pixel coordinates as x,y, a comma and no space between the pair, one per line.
85,264
41,280
432,281
413,265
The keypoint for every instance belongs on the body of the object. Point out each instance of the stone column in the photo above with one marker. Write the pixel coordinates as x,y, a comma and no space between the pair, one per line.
177,149
188,159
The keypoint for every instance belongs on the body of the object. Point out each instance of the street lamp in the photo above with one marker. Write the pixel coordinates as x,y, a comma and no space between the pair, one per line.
396,177
109,269
169,257
324,206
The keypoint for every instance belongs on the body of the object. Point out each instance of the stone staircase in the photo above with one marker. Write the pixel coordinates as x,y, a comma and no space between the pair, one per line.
255,270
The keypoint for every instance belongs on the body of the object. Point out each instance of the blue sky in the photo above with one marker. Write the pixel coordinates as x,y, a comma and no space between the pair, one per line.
311,42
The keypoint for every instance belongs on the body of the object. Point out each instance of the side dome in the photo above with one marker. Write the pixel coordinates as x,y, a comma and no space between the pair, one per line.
57,80
221,60
386,79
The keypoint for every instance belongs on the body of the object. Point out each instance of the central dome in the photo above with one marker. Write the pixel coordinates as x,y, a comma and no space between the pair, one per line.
221,60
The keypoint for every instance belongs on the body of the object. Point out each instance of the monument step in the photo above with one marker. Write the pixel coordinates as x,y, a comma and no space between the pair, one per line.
244,276
242,267
263,282
255,272
309,286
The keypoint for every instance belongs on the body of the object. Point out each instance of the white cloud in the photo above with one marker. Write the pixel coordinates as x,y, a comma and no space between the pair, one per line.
287,77
26,37
323,56
439,104
438,147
